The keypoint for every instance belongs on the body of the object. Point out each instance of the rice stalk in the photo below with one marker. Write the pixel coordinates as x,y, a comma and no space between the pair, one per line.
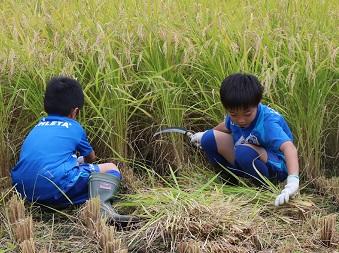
130,181
23,229
10,110
110,242
20,225
90,216
16,209
28,246
150,64
327,226
190,246
328,186
220,246
106,235
113,246
121,251
170,73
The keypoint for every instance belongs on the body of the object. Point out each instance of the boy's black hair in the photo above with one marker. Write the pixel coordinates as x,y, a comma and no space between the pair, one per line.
240,91
62,95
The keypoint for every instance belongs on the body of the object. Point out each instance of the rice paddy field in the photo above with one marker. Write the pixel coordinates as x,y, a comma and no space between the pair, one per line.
150,64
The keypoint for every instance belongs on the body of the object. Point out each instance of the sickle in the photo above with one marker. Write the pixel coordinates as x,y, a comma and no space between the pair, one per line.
179,130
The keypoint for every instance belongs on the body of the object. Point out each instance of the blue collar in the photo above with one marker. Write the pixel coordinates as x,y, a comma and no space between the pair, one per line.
58,117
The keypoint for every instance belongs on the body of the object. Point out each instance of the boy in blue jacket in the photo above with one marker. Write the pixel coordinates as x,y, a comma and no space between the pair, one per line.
48,171
253,137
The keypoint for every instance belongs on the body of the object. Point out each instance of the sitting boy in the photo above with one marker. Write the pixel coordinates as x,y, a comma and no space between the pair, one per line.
48,171
252,138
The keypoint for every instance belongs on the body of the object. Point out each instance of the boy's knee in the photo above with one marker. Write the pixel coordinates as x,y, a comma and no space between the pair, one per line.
104,167
245,155
247,159
111,169
208,142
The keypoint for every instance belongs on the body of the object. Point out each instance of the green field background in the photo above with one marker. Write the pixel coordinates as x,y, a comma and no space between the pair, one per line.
146,64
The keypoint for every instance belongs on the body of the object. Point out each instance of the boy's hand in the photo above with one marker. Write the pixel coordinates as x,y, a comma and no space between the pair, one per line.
196,139
290,190
81,160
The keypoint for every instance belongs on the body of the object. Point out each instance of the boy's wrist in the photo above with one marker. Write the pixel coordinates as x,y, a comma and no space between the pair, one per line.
292,179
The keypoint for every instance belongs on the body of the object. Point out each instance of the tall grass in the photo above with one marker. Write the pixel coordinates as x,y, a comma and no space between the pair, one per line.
12,98
159,63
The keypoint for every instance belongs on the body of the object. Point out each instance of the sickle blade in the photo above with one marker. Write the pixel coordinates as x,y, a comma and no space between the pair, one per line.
179,130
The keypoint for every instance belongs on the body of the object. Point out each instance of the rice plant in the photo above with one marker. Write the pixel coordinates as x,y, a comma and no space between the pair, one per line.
150,64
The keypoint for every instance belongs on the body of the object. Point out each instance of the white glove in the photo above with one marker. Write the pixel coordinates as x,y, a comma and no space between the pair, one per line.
196,139
81,160
290,190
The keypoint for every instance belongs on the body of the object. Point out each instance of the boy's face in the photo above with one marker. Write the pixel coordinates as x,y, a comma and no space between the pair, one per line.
243,117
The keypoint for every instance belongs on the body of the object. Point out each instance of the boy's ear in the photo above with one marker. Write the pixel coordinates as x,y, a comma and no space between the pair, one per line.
74,113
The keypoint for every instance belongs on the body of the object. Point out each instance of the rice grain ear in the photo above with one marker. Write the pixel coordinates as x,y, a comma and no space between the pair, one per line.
328,229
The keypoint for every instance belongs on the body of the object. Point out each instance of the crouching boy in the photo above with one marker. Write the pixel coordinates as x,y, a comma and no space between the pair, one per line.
48,171
253,137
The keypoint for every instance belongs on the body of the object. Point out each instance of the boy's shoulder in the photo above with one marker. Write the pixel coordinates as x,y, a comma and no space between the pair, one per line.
58,121
270,113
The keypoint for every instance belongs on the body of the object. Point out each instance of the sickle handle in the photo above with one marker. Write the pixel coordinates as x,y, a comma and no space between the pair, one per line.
189,134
